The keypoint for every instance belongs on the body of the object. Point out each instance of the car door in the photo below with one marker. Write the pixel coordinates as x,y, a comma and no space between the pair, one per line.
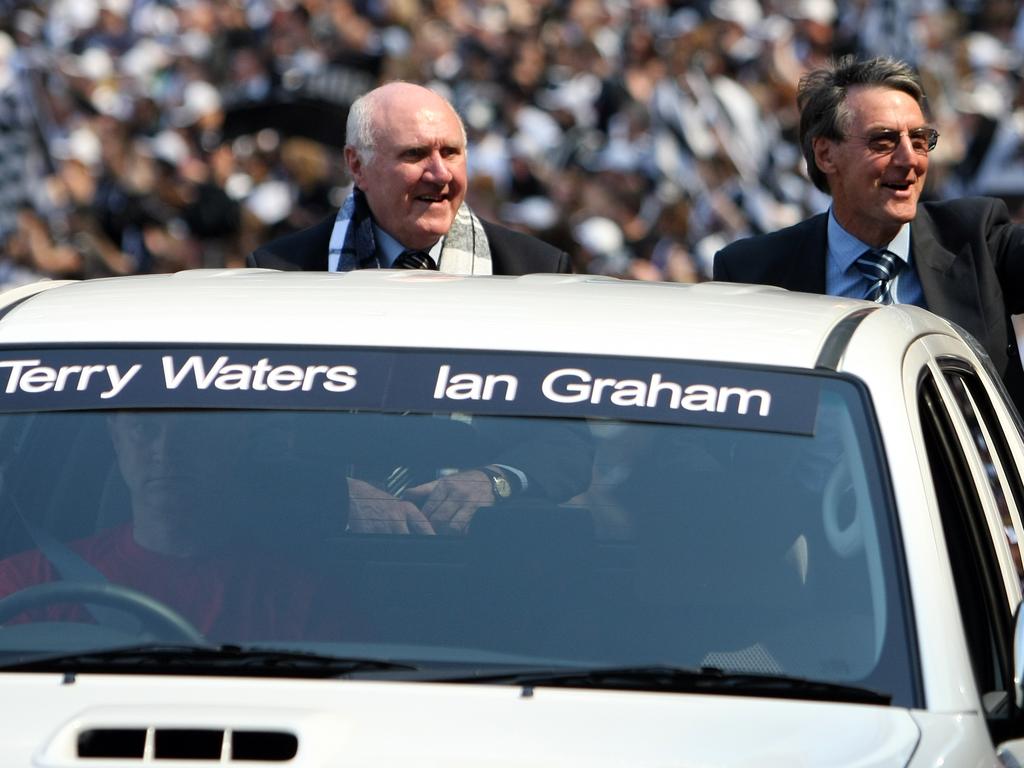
972,439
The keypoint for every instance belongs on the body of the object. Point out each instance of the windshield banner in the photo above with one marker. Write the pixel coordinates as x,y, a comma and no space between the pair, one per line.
401,380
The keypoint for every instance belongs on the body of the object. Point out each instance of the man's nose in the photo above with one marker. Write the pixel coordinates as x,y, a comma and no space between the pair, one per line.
904,153
437,168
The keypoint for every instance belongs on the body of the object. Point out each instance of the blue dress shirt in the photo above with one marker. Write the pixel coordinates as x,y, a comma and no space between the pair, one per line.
843,278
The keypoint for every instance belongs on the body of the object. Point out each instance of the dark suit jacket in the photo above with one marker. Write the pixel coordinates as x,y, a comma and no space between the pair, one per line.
557,459
512,253
969,257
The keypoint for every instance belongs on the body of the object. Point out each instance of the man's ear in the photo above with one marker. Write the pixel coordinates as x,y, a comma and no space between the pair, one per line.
355,165
824,150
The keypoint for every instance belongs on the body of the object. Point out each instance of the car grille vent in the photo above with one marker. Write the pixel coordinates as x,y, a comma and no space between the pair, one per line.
206,744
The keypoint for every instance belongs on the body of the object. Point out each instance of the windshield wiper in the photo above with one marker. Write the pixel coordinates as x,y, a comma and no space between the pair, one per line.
678,680
204,660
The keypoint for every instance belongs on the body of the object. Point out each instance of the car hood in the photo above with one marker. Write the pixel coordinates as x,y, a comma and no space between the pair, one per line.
386,723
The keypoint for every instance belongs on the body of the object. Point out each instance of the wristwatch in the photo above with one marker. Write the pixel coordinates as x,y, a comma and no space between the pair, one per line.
500,485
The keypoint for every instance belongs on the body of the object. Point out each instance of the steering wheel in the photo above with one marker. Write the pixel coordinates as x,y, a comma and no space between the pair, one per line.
155,617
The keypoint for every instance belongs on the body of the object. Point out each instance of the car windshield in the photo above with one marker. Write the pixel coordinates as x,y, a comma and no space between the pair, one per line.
686,535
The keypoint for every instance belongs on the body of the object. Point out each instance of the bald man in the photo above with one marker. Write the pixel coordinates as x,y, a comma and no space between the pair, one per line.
406,153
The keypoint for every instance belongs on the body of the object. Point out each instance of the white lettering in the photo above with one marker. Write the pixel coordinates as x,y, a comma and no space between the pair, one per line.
744,396
117,381
285,378
658,386
599,386
259,374
29,376
473,386
579,392
340,378
64,374
700,397
260,377
573,385
38,379
234,376
442,381
310,378
464,386
16,366
493,380
87,373
195,366
630,392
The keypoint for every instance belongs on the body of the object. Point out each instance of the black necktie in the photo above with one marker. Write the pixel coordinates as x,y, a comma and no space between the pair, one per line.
879,267
411,259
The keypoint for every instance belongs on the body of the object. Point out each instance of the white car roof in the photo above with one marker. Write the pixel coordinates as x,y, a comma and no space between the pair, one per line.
548,313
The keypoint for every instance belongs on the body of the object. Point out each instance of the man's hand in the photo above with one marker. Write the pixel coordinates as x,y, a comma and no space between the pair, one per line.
371,510
451,502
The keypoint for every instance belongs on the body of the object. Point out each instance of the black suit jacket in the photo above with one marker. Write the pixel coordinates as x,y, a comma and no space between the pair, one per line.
557,459
512,253
969,257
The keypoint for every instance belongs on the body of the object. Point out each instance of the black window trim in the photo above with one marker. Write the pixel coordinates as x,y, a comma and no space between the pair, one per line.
998,443
935,407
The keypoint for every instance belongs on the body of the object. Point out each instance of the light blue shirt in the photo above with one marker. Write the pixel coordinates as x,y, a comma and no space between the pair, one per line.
389,248
843,278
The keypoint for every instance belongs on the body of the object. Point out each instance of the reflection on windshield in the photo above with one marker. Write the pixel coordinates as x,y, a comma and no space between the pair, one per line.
386,536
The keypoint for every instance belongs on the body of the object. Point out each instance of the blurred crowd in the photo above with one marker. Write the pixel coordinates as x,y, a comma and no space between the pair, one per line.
143,136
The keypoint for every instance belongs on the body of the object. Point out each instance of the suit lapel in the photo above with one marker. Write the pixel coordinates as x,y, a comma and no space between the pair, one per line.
316,253
304,250
949,284
807,263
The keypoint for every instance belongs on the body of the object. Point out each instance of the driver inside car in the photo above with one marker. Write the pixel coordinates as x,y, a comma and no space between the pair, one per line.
189,542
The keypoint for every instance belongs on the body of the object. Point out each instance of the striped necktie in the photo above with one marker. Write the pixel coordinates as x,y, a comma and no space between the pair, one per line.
415,260
879,267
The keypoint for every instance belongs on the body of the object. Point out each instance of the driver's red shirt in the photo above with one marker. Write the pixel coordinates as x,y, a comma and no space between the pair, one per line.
228,596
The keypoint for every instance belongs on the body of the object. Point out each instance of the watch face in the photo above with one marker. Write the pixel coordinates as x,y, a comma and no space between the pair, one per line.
502,489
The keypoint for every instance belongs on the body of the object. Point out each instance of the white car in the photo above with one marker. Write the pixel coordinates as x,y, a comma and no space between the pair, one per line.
396,518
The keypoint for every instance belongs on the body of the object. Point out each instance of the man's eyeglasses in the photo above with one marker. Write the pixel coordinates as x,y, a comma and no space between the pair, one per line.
922,140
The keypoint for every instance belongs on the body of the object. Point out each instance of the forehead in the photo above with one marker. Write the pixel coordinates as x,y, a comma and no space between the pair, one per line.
419,122
871,107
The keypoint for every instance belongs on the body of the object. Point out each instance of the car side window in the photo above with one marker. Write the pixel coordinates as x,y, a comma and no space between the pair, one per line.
980,591
1000,469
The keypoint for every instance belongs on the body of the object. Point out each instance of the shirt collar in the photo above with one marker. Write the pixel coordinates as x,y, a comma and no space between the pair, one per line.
846,248
389,248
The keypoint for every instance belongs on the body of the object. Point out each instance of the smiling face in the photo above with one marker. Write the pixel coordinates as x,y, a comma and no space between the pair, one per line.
415,178
874,194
